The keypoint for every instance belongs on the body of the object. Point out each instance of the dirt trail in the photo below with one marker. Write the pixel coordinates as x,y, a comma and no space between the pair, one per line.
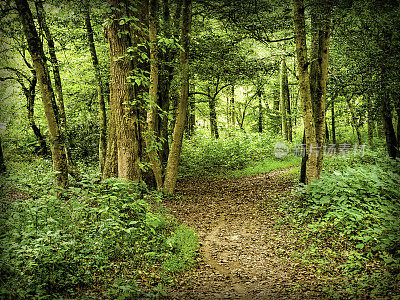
244,253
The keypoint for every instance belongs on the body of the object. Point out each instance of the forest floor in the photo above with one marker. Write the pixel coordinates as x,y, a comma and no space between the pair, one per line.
245,248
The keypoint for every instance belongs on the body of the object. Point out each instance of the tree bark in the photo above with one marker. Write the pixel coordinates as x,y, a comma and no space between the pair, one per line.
305,92
35,48
123,105
99,88
171,173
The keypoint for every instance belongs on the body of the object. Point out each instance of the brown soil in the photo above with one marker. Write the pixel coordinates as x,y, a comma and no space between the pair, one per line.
245,249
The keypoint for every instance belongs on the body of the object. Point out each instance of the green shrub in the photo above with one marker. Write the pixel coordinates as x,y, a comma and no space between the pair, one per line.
102,235
184,244
360,202
234,152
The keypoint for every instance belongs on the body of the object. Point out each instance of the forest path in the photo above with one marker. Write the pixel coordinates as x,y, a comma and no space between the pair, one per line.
245,247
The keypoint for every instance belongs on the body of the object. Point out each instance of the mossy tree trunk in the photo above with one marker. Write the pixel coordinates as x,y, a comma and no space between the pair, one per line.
41,15
124,109
312,84
35,48
176,145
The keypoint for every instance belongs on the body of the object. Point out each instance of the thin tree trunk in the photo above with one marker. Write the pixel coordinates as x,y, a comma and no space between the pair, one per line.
213,117
260,115
35,48
3,168
192,115
284,94
333,123
305,92
151,136
30,95
99,87
386,113
72,167
370,124
354,121
171,173
232,106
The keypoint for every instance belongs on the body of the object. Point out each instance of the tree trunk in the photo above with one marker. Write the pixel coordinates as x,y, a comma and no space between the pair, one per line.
72,167
30,94
151,135
305,92
99,87
213,117
283,99
192,115
321,36
171,173
370,124
354,121
232,106
123,112
110,169
260,115
333,123
3,168
35,48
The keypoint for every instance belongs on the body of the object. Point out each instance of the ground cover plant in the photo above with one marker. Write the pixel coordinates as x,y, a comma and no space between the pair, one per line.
350,220
110,239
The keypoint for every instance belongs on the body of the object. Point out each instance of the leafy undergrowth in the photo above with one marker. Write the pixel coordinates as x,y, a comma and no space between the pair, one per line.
245,154
268,165
350,223
108,240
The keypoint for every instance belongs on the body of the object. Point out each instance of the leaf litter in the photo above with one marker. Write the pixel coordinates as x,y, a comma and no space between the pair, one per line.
245,249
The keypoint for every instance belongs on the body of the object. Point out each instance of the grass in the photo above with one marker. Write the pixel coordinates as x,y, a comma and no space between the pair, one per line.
268,165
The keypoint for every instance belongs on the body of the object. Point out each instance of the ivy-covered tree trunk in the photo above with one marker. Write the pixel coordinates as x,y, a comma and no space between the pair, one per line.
72,167
123,112
171,173
99,87
35,48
